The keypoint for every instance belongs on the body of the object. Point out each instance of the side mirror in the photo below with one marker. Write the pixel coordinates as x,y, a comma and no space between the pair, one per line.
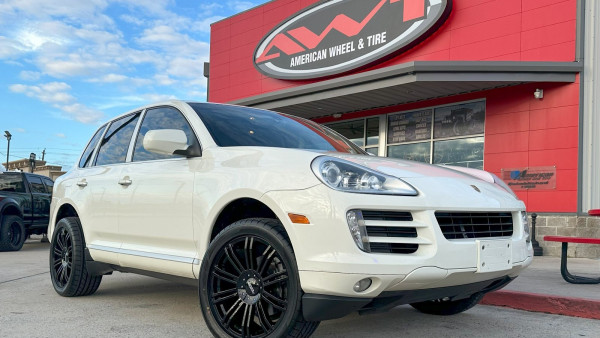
165,141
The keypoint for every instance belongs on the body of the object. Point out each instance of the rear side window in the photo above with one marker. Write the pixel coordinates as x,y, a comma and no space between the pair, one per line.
11,183
86,158
36,185
49,184
161,118
114,145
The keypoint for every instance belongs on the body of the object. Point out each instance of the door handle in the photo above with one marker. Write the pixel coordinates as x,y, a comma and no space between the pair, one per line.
125,181
82,183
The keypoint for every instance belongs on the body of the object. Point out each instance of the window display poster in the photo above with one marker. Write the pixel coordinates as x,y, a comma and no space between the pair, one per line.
459,120
409,127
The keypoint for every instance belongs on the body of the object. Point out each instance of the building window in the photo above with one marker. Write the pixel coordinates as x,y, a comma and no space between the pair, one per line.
450,135
363,132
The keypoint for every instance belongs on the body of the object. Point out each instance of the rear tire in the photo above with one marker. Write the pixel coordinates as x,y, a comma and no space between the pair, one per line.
446,308
12,233
249,284
68,271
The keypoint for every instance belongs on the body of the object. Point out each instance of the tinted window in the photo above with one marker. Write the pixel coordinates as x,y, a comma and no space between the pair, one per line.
160,118
114,145
232,126
49,184
36,185
86,158
11,183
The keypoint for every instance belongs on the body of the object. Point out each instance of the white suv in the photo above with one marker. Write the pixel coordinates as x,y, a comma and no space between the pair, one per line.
279,221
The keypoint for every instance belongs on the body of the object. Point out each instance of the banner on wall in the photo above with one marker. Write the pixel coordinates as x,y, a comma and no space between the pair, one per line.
530,178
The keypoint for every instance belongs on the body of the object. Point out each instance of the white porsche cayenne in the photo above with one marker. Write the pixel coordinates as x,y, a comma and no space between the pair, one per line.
279,221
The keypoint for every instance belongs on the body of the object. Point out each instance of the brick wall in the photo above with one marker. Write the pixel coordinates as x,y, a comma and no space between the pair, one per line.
565,225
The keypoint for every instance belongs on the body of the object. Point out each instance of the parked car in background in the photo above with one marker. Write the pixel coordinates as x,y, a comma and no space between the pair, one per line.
24,207
280,222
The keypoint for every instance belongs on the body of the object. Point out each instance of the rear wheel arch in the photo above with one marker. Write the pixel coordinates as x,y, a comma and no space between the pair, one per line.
11,208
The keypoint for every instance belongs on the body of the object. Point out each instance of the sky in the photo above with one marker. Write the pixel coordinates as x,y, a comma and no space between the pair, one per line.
67,66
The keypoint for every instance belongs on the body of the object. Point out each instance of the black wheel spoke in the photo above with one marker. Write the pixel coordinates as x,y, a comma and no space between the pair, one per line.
263,320
57,252
232,311
246,320
248,243
224,275
277,277
224,295
267,256
233,259
277,302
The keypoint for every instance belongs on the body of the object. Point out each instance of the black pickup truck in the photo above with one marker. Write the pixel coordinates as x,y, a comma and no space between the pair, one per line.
24,207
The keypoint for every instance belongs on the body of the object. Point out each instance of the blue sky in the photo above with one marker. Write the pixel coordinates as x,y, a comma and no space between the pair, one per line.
66,66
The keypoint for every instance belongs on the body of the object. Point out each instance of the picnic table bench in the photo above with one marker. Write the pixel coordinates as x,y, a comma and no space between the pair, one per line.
563,258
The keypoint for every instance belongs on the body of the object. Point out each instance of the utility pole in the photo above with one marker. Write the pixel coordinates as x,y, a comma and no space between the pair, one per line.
8,137
43,153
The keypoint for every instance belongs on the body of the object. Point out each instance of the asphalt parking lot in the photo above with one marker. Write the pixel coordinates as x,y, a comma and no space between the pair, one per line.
128,305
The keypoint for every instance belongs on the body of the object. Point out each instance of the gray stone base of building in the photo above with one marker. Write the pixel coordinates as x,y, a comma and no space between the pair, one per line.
568,225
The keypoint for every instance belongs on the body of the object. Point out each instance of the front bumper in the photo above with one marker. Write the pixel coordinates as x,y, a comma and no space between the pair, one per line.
330,263
322,307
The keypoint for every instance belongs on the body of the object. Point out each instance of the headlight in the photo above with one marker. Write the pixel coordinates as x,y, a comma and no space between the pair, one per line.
343,175
526,230
503,185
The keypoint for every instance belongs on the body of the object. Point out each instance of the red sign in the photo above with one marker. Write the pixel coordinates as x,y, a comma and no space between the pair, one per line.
337,36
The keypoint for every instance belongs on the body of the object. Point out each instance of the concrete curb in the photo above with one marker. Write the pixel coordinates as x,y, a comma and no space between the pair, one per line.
574,307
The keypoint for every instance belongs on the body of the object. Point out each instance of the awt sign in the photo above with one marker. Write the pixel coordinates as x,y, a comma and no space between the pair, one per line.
337,36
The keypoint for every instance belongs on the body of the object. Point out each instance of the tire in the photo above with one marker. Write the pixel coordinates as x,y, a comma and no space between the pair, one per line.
446,308
249,284
68,272
12,233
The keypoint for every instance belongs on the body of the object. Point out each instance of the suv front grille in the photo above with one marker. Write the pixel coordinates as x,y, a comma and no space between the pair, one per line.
459,225
390,231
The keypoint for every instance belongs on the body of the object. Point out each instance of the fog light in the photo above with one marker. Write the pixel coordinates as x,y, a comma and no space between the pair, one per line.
358,230
362,285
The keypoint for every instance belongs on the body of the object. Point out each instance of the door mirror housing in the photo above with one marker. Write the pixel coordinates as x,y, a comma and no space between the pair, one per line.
169,142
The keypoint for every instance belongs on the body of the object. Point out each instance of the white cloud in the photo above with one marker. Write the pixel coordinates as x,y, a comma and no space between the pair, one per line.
53,92
60,135
56,93
29,75
81,113
240,6
9,48
21,130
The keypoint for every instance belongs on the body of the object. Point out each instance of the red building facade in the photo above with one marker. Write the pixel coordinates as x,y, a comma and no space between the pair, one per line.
518,59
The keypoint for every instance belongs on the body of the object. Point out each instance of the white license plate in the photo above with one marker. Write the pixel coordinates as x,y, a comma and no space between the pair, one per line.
494,255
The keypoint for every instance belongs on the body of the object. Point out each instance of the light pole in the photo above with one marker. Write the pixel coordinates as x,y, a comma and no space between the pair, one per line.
8,137
32,161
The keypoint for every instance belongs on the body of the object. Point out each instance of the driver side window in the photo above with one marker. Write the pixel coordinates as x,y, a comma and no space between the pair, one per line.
160,118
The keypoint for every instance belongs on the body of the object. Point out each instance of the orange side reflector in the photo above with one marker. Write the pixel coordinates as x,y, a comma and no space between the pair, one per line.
298,219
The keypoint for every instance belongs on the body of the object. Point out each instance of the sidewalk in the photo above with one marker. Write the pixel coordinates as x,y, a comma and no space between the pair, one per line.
541,288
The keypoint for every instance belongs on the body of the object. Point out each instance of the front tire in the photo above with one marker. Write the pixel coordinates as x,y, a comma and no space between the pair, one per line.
68,271
249,284
446,308
12,233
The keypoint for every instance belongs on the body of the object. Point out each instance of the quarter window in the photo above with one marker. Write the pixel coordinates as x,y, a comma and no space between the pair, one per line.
36,185
86,158
49,185
161,118
114,145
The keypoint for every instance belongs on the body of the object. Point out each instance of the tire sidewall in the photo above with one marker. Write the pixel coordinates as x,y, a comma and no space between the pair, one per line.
283,248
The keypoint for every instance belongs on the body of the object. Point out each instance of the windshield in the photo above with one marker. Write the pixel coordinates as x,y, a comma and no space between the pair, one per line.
232,126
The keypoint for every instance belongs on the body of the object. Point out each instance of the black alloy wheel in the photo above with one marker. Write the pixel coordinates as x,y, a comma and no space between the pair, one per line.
62,257
250,285
68,271
12,233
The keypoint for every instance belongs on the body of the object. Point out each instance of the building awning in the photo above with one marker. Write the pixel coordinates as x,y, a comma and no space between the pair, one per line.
408,82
